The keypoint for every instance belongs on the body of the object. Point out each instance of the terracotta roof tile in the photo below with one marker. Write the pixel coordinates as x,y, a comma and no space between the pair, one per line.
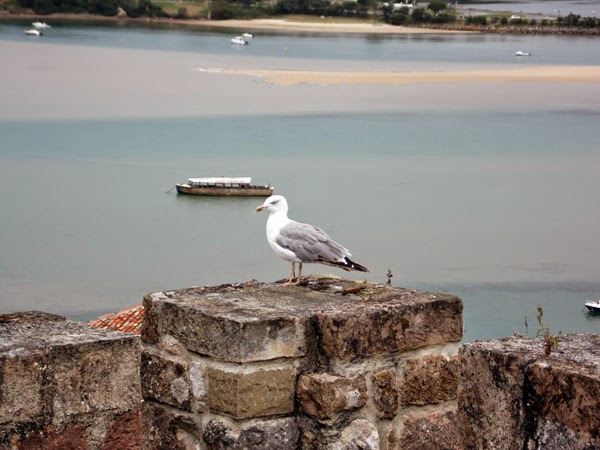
126,320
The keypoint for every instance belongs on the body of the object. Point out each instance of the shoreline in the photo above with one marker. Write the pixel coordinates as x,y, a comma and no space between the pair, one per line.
280,25
289,26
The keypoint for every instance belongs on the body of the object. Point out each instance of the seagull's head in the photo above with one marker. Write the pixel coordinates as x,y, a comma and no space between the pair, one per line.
273,204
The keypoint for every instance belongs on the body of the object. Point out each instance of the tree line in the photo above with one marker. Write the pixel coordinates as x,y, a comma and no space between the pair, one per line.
395,13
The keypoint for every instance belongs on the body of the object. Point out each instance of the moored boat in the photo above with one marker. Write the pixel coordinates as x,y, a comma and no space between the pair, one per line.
239,40
224,186
522,53
593,306
40,25
33,32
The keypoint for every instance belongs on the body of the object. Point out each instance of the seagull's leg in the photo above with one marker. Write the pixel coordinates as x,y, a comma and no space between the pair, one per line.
292,275
299,274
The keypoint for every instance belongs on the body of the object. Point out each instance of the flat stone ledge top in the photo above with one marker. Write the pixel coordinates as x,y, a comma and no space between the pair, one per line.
318,294
577,350
28,332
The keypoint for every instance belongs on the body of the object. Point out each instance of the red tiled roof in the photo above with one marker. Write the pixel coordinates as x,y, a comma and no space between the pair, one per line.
127,320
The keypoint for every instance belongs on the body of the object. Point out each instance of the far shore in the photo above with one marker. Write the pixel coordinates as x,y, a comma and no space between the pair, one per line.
282,25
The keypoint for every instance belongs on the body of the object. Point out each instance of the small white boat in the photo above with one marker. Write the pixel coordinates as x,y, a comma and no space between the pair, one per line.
593,306
247,36
33,32
40,25
521,53
238,40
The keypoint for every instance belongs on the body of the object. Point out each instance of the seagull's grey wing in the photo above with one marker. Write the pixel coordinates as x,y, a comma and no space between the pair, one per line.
310,243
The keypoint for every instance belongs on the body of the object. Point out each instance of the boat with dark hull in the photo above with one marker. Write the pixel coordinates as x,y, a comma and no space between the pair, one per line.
593,307
224,186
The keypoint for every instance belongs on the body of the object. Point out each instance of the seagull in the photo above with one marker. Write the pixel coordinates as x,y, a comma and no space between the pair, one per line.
302,243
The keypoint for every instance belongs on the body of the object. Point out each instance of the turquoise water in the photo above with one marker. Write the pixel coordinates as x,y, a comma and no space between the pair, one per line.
496,205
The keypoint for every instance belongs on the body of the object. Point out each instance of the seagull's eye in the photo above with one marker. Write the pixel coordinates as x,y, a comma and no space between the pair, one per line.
275,202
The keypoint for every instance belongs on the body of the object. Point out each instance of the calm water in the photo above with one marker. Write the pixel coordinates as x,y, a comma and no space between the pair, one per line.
497,205
554,8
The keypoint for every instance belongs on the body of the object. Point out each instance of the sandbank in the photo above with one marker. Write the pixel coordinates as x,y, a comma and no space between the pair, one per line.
319,27
57,82
550,74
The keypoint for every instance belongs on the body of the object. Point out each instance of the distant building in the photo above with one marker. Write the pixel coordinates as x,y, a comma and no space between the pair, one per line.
401,4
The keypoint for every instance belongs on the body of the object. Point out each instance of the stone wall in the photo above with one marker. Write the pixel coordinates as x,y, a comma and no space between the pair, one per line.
511,396
332,364
65,385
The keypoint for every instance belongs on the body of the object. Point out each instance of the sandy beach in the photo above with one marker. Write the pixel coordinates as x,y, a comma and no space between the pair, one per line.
562,74
317,27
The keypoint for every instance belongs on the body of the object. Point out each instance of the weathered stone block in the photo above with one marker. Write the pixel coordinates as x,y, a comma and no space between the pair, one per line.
58,376
385,393
395,321
95,376
221,323
430,379
278,434
70,438
322,395
564,394
21,388
166,380
549,435
512,396
432,431
251,393
165,427
359,435
150,331
490,407
124,432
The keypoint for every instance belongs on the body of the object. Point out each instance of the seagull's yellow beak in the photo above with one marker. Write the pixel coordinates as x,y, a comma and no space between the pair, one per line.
260,208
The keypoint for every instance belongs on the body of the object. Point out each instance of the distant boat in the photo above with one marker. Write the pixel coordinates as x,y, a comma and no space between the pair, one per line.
593,306
239,40
520,53
247,35
33,32
224,186
40,25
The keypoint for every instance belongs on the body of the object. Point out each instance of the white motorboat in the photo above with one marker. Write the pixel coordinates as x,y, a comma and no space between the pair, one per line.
247,36
521,53
40,25
33,32
593,306
239,40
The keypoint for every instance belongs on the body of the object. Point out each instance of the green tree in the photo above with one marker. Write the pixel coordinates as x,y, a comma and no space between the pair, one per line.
44,7
103,7
418,15
398,18
182,13
436,6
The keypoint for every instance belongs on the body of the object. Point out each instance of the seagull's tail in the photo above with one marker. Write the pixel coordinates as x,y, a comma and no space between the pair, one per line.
347,264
